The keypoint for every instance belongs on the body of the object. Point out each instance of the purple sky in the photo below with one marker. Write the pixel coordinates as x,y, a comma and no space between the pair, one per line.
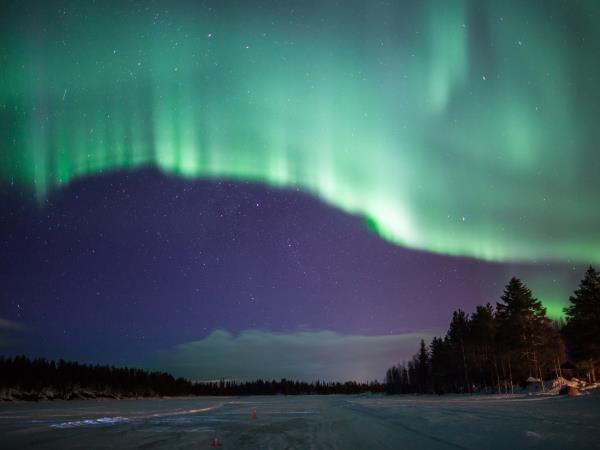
140,268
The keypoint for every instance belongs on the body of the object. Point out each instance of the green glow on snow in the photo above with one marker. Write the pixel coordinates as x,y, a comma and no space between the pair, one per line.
452,128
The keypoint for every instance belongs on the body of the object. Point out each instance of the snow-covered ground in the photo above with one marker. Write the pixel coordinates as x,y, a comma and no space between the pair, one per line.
308,422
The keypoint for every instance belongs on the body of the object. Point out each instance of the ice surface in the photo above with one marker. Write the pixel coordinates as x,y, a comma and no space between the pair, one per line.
308,422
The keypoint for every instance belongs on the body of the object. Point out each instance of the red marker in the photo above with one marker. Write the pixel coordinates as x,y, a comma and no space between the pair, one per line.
215,442
254,414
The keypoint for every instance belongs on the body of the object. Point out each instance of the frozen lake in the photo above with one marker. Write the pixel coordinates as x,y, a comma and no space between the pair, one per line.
307,422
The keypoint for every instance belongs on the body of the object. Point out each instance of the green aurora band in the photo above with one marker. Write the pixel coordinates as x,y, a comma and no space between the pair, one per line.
460,127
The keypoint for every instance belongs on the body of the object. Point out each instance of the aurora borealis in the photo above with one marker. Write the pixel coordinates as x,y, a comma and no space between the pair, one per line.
463,133
466,128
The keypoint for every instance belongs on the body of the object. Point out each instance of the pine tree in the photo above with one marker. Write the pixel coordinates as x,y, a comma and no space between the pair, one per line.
422,367
482,337
439,362
404,379
525,333
393,381
456,337
582,331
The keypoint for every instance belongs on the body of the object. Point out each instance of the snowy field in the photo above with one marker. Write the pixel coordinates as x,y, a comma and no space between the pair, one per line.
307,422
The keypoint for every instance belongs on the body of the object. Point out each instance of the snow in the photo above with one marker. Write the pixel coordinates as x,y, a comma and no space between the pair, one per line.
309,422
559,386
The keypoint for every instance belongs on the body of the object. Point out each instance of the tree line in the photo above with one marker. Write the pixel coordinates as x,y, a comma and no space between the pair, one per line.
287,387
495,348
41,378
37,379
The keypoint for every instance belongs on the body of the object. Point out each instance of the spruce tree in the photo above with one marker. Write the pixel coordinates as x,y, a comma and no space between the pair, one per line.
456,338
439,362
525,333
482,336
422,368
582,331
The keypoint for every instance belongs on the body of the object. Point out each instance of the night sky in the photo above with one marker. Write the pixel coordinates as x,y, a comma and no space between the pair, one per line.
278,188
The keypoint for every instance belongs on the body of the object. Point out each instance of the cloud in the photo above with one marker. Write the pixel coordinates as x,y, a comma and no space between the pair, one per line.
9,325
301,355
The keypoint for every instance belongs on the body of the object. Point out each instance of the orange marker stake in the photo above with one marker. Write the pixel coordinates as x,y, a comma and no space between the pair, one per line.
254,414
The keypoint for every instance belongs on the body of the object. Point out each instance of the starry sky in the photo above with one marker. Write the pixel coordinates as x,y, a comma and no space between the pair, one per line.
280,188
